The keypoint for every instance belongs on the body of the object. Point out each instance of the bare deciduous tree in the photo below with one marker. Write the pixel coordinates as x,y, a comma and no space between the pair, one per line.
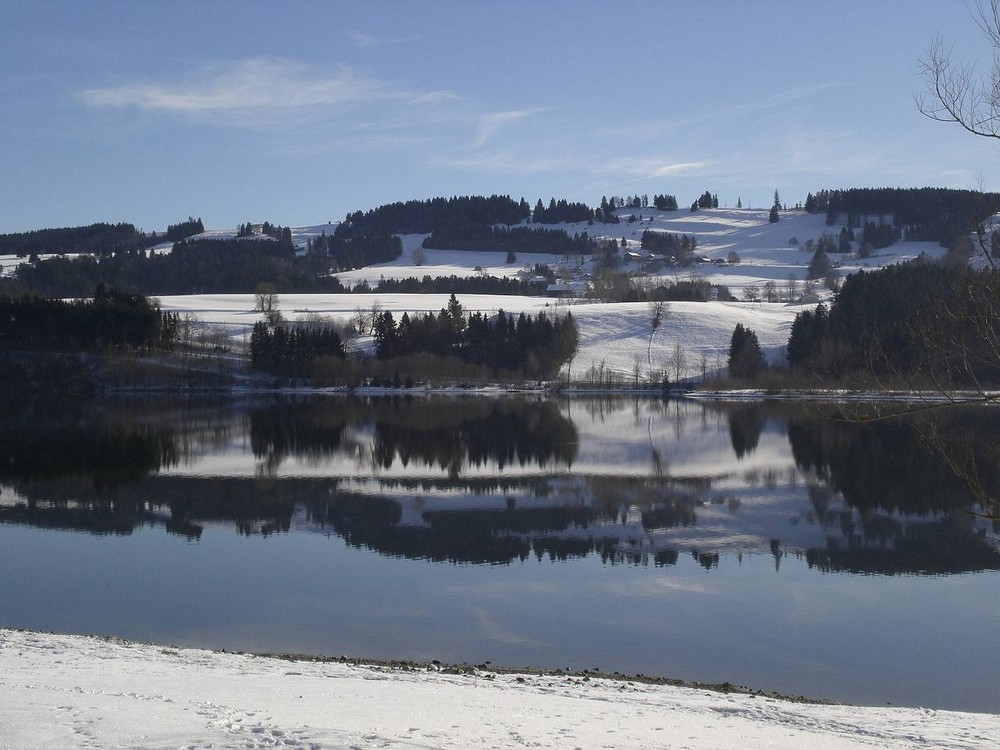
265,298
361,320
678,361
659,311
955,92
792,288
373,316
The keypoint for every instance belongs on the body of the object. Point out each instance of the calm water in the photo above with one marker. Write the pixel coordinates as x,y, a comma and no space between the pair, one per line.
767,545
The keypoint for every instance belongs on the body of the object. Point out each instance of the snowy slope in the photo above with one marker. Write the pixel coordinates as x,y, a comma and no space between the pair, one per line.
615,335
73,691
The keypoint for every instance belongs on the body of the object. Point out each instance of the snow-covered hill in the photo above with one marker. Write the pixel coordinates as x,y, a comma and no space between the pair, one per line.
612,336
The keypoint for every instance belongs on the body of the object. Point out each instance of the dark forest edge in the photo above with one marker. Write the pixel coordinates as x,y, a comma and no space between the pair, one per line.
120,256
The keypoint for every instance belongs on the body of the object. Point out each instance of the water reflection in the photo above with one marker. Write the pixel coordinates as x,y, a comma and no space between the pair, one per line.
451,434
494,481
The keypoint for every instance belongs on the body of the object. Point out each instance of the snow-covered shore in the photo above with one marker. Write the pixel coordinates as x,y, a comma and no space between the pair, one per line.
74,691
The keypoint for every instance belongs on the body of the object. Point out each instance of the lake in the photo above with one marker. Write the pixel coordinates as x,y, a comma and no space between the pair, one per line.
774,545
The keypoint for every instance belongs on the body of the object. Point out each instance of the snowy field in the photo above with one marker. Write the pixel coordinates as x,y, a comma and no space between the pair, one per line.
617,335
72,691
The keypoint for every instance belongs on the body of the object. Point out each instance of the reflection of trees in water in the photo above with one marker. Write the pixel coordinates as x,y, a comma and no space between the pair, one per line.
447,433
373,523
746,422
869,542
891,547
180,505
903,511
107,445
308,430
670,515
477,432
885,465
906,512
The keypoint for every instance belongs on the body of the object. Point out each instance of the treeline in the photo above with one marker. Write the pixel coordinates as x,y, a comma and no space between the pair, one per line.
97,239
928,214
456,285
709,200
535,346
605,213
665,202
335,253
284,349
267,229
509,240
609,286
93,239
687,290
678,247
561,211
423,217
110,319
185,229
931,323
217,265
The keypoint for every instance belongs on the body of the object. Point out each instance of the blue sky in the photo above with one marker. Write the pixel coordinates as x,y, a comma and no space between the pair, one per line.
298,112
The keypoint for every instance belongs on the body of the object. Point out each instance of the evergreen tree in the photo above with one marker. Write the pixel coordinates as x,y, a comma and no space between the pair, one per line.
819,266
745,358
844,241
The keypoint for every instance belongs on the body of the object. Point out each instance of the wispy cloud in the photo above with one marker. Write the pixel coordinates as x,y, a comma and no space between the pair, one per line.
650,167
773,102
362,39
688,121
490,123
257,91
506,162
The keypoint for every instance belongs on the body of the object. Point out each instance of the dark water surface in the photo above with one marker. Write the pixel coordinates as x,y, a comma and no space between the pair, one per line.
764,544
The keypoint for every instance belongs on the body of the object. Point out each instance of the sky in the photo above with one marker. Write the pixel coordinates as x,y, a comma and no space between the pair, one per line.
300,112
